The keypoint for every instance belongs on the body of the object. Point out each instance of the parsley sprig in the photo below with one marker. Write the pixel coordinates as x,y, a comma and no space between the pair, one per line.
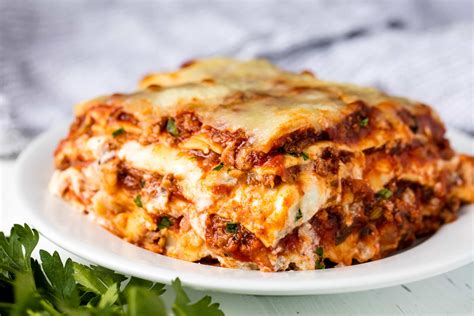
53,287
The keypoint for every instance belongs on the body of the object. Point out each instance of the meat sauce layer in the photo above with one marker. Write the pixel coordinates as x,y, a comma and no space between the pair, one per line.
360,124
381,223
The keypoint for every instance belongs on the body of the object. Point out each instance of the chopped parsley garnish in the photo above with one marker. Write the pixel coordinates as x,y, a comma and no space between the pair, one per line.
48,285
138,201
231,228
171,127
320,261
319,251
295,154
218,167
385,193
299,215
364,122
118,132
142,183
164,222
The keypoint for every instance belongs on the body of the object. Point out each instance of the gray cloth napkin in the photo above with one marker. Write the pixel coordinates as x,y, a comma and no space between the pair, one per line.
54,54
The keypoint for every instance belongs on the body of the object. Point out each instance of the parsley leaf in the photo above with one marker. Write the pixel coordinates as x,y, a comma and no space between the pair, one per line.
164,222
320,265
364,122
16,271
143,302
320,260
96,279
171,127
385,193
231,228
299,215
15,251
182,305
156,288
138,201
297,155
142,297
319,251
218,167
118,132
64,293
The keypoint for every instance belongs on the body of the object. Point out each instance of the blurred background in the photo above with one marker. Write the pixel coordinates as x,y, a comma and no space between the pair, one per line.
56,53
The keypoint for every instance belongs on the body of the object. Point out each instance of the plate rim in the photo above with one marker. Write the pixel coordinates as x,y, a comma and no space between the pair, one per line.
199,282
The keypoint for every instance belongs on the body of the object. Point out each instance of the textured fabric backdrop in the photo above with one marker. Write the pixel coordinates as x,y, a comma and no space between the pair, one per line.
54,54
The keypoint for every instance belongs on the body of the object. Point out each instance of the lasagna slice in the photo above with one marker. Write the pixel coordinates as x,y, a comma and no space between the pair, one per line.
241,164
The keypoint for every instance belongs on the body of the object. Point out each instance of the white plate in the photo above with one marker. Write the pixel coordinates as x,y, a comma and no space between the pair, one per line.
450,248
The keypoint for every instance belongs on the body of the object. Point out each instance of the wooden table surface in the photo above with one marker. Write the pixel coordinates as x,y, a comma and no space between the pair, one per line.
447,294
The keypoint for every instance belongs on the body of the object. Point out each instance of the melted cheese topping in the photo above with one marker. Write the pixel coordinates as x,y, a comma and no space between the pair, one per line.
234,95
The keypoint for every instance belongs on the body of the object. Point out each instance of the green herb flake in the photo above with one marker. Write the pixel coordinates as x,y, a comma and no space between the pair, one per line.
364,122
171,127
385,193
118,132
319,251
164,222
320,260
138,201
218,167
142,183
299,215
304,155
231,228
320,265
